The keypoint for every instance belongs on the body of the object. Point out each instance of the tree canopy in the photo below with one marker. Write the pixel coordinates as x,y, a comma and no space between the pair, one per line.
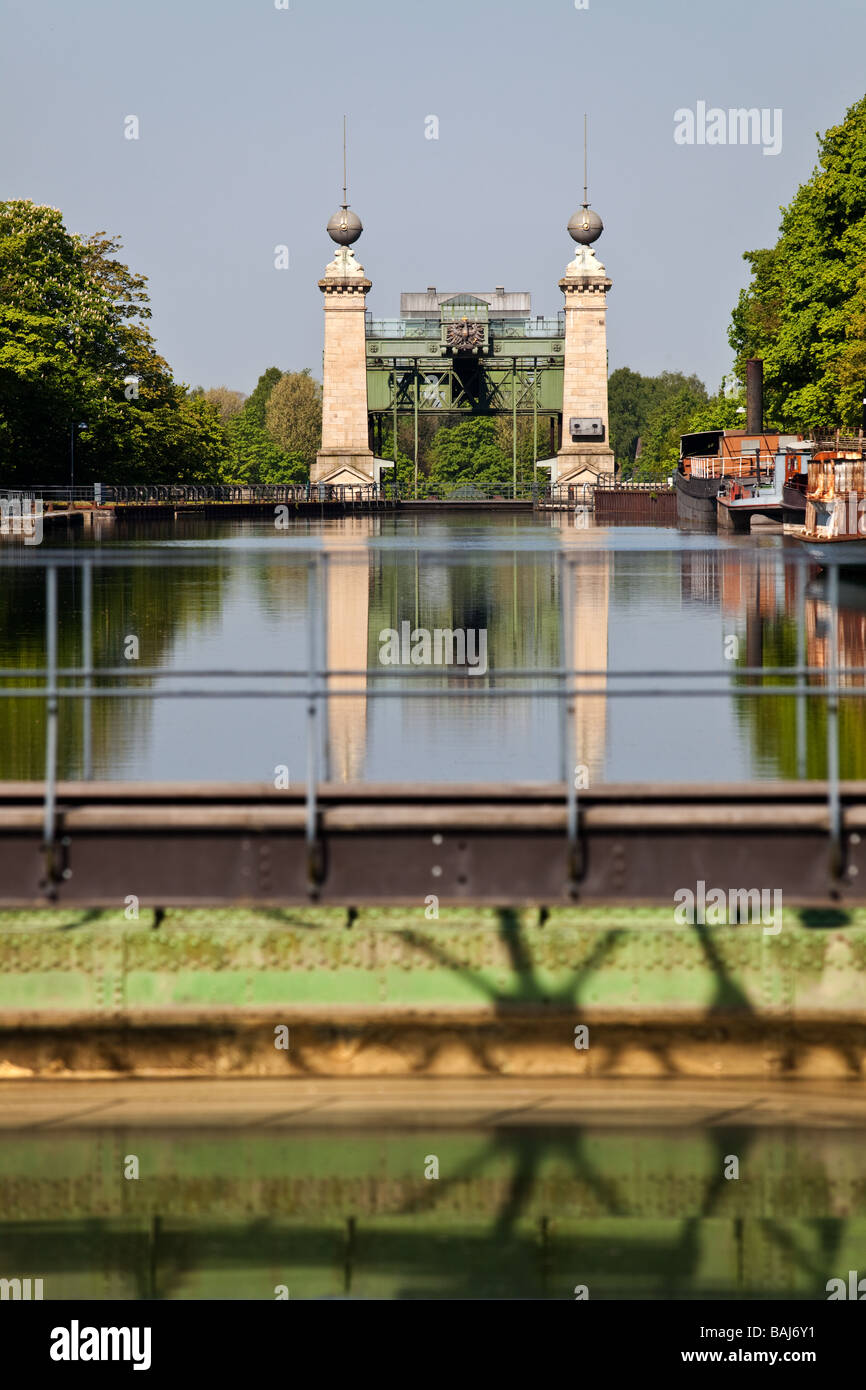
637,407
804,311
293,415
76,355
79,370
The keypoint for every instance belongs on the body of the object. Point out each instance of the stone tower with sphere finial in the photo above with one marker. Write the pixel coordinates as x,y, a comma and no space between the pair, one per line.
345,456
585,446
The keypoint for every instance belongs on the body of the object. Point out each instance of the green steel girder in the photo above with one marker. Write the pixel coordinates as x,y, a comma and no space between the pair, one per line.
470,959
473,385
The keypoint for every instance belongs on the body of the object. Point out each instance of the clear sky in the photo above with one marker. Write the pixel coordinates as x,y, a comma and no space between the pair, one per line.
240,108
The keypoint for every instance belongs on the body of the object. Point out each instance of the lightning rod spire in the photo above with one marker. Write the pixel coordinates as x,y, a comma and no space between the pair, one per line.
345,200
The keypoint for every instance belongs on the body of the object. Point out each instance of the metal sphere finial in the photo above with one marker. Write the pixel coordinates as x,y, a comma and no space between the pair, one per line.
585,226
345,227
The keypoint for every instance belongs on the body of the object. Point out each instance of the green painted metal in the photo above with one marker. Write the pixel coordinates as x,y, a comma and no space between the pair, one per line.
516,368
514,383
469,959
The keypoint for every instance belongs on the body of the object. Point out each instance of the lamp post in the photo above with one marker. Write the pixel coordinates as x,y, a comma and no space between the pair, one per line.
82,425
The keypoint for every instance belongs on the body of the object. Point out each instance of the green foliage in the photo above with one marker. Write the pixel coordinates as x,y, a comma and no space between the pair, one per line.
405,468
721,412
293,415
661,439
469,453
632,401
256,404
255,458
228,403
74,348
804,311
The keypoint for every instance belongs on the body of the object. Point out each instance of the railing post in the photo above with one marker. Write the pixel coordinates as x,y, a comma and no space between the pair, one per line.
834,804
566,581
325,721
51,712
802,758
87,665
314,855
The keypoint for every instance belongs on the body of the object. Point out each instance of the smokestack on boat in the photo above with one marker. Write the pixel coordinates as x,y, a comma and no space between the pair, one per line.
755,396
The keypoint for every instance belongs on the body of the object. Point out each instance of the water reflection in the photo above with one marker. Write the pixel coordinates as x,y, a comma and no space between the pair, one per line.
516,1212
634,599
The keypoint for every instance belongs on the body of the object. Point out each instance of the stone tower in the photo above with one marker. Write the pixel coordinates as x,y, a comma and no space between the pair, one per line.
345,456
585,449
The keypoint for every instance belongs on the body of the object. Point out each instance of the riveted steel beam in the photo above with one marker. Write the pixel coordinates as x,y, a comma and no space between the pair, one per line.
205,844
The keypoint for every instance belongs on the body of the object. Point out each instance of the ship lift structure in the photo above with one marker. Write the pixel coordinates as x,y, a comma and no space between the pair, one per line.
466,355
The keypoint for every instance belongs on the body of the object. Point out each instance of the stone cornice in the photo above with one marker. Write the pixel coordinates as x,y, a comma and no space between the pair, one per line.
350,287
591,284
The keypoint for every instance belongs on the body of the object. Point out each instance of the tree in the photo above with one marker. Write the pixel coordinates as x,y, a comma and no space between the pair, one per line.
75,347
632,399
293,415
804,311
469,453
661,438
255,458
228,403
526,445
256,402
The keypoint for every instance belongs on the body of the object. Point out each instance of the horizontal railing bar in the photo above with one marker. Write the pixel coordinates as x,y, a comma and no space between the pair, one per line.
578,692
812,790
442,816
407,672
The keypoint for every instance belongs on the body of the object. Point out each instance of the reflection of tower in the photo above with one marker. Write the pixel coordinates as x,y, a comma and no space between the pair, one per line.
589,603
348,615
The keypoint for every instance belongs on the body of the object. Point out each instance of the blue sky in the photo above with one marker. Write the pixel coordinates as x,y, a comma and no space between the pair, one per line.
240,107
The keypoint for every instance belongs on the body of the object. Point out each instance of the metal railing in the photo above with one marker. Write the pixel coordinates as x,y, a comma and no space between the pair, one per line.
154,494
715,467
499,328
568,684
403,328
527,328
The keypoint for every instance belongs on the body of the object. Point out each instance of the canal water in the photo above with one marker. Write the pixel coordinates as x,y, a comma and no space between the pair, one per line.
528,593
507,1213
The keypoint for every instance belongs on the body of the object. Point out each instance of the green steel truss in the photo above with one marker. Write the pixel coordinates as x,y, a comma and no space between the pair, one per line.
502,367
505,375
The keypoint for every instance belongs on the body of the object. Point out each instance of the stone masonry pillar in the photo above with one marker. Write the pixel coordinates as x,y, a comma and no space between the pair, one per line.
584,387
345,455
